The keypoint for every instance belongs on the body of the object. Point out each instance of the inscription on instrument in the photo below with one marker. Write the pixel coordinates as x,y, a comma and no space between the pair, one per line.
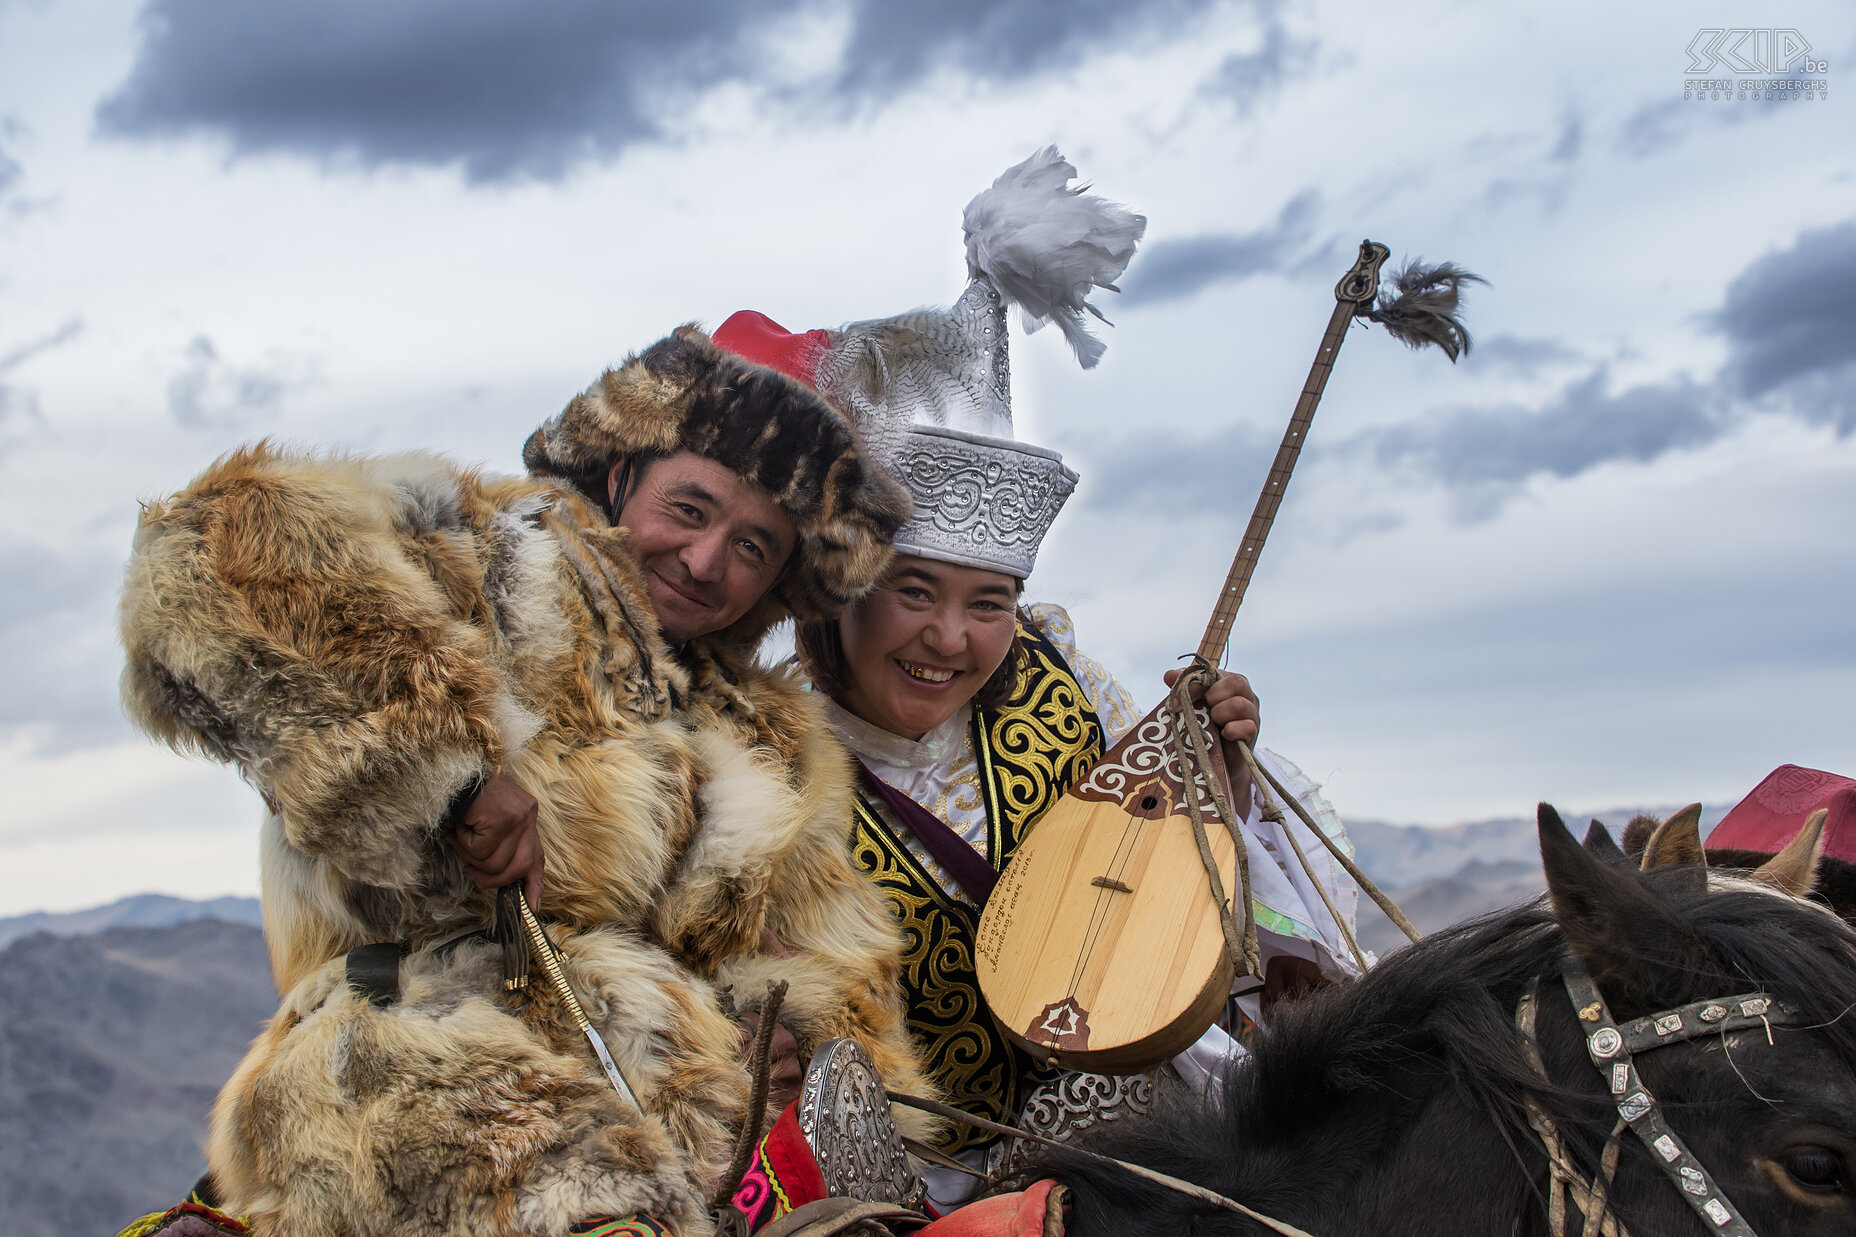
996,923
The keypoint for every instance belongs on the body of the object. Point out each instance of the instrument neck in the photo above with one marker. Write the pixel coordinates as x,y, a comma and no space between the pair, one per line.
1237,580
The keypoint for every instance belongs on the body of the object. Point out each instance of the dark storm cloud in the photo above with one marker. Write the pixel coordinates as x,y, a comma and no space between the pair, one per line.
1175,472
502,89
1172,269
1247,78
1524,356
509,91
1480,455
1789,319
892,46
1585,427
1790,323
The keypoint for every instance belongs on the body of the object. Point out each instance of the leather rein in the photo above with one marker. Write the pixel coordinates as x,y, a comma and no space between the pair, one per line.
1613,1049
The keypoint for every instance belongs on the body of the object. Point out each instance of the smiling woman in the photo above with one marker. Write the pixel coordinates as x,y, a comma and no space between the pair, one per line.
968,716
929,639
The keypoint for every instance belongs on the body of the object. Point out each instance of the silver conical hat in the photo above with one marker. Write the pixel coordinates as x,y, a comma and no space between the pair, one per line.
932,388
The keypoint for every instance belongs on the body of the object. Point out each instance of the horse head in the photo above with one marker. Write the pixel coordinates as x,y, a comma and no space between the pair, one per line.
1769,1110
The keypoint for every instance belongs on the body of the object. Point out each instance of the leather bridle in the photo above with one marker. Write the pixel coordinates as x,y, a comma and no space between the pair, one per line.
1613,1050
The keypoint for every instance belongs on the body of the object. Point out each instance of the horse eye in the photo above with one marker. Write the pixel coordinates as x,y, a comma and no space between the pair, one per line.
1815,1168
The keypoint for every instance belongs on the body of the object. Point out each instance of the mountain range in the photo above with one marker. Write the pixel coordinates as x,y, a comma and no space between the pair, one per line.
113,1045
1443,875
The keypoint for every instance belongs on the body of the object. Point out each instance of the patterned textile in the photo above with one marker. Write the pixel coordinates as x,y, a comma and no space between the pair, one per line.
189,1219
1027,755
782,1175
630,1226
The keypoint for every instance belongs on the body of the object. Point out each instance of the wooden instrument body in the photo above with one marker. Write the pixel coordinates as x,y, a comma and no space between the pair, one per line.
1101,947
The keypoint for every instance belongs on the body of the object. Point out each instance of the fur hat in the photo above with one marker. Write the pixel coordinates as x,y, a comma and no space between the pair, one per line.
684,394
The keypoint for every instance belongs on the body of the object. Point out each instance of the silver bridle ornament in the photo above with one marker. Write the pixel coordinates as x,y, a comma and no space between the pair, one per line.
1612,1049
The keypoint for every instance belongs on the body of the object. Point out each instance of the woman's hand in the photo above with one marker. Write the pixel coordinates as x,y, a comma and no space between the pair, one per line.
1233,706
1236,718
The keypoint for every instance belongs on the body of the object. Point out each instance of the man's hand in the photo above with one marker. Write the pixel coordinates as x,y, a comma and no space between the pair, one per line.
784,1075
1235,717
498,839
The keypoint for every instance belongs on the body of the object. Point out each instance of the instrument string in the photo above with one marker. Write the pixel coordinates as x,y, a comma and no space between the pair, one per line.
1098,917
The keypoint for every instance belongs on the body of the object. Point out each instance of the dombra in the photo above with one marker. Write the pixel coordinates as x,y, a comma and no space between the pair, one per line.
1101,947
1109,943
1454,1089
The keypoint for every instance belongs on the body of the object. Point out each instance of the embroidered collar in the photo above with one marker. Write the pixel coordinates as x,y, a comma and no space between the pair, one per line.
879,747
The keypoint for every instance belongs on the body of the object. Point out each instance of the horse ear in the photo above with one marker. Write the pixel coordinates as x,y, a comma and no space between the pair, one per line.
1794,869
1637,835
1676,843
1598,845
1612,923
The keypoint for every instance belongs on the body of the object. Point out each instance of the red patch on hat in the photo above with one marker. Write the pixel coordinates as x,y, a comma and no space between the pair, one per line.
755,337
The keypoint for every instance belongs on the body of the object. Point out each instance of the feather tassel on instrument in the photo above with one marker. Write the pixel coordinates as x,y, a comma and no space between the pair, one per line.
1418,307
1047,247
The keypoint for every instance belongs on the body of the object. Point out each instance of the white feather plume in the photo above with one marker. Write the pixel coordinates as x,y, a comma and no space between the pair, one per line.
1047,247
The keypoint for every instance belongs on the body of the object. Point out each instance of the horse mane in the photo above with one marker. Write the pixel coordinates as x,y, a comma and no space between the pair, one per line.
1446,1005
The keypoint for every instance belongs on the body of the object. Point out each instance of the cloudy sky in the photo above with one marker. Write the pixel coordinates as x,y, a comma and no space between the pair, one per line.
1605,560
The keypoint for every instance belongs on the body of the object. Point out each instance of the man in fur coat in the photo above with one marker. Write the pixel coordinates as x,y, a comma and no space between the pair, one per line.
373,640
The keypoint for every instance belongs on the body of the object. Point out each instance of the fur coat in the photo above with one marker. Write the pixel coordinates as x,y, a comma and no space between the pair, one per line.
365,637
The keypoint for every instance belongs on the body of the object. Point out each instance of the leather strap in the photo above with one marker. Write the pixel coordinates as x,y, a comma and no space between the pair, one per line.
966,865
1729,1013
374,972
1638,1108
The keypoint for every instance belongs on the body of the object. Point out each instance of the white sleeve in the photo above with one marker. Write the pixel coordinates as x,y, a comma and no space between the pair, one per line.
1292,917
1205,1064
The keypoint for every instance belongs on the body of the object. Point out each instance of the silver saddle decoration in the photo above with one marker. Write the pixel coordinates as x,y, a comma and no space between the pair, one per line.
844,1115
1072,1102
